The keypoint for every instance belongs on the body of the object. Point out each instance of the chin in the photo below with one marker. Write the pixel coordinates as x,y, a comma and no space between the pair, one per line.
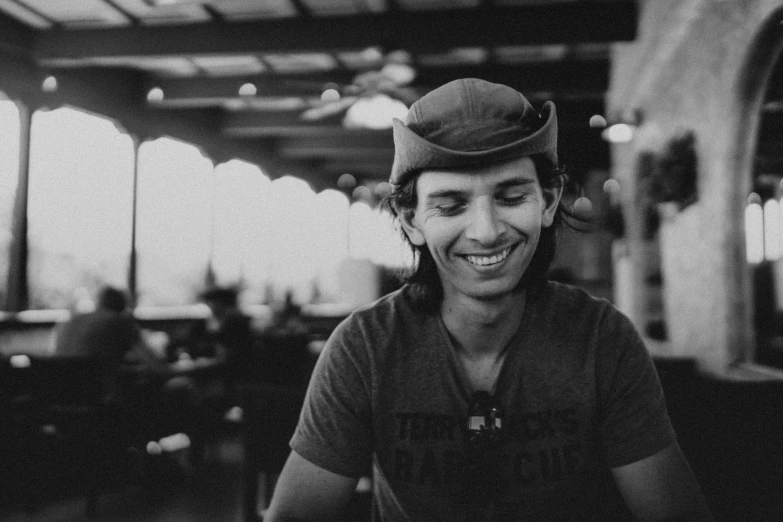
495,291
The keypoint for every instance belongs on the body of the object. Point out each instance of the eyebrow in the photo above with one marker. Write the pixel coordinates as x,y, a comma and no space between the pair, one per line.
440,194
452,193
515,182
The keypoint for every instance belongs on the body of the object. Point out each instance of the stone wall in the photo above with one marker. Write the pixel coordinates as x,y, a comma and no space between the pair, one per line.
700,66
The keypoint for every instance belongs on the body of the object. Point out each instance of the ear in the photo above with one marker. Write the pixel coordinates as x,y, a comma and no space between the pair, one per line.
551,201
411,227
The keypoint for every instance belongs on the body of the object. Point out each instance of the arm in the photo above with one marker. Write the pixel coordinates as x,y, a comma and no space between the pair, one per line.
306,492
648,466
333,440
662,487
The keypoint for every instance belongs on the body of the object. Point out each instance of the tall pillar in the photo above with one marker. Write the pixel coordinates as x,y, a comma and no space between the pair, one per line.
18,297
132,273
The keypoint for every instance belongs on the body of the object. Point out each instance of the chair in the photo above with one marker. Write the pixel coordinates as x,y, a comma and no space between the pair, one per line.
272,395
271,412
74,435
17,411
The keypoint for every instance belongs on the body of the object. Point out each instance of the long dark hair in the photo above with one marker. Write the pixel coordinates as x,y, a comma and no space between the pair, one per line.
422,278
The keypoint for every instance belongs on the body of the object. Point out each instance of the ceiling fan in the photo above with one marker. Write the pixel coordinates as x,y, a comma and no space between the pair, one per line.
372,97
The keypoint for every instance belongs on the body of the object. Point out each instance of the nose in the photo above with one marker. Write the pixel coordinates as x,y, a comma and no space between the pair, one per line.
486,225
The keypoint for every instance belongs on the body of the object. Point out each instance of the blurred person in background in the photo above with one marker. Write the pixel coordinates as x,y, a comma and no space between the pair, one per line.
223,336
110,334
132,409
481,390
219,348
228,329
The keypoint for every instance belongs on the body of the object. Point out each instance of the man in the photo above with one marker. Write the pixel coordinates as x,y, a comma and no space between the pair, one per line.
226,333
109,334
480,391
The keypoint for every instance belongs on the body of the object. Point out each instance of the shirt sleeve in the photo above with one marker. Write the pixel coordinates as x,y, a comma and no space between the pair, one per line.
634,422
335,428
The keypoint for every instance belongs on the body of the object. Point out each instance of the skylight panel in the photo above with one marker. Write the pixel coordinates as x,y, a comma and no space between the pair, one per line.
255,9
300,62
229,65
26,16
78,14
421,5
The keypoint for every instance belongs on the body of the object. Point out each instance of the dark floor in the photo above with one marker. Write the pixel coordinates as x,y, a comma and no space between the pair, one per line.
209,491
728,430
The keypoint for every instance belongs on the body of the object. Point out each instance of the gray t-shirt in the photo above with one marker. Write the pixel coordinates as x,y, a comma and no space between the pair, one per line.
578,392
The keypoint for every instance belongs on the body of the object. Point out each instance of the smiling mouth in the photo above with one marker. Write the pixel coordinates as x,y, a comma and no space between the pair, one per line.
489,260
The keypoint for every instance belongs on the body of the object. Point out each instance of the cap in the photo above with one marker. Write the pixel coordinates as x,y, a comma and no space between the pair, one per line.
471,121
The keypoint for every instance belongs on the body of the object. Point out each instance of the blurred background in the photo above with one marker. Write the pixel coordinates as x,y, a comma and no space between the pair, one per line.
170,148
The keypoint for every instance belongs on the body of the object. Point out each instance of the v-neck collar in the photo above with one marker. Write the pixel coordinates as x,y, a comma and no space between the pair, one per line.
513,349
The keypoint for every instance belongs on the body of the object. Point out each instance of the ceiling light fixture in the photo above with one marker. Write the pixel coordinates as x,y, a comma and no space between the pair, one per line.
346,181
330,95
155,94
399,73
248,89
619,133
49,84
612,190
362,193
620,129
597,121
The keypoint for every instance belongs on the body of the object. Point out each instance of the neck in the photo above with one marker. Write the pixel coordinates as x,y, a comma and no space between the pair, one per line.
482,328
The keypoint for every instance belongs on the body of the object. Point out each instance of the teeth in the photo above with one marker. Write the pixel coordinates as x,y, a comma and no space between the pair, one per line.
489,260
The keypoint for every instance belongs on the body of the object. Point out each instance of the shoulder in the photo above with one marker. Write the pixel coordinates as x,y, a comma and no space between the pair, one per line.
571,315
599,327
380,328
565,293
572,303
385,314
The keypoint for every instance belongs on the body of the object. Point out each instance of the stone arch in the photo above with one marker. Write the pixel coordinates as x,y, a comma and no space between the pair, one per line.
765,49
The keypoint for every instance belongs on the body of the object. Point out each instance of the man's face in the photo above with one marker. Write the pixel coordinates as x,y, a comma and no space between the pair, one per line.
481,224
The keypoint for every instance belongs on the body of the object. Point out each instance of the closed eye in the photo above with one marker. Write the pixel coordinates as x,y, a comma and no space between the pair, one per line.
512,200
450,209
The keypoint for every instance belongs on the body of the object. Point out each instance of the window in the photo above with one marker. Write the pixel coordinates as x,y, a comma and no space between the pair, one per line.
373,237
292,222
241,229
754,230
80,206
330,238
173,222
195,222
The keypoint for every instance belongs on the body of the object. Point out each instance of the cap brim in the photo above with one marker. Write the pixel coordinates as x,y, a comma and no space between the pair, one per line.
413,153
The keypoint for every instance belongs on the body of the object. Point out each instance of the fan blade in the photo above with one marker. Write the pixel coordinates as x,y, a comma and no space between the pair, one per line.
407,95
328,109
399,73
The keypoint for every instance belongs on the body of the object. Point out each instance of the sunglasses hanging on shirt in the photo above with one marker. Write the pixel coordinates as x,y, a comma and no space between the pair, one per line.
485,419
484,479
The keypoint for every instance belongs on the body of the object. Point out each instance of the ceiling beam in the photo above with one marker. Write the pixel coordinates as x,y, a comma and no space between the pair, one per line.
267,85
352,139
564,76
421,31
574,112
307,151
367,167
116,96
16,39
569,76
260,124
